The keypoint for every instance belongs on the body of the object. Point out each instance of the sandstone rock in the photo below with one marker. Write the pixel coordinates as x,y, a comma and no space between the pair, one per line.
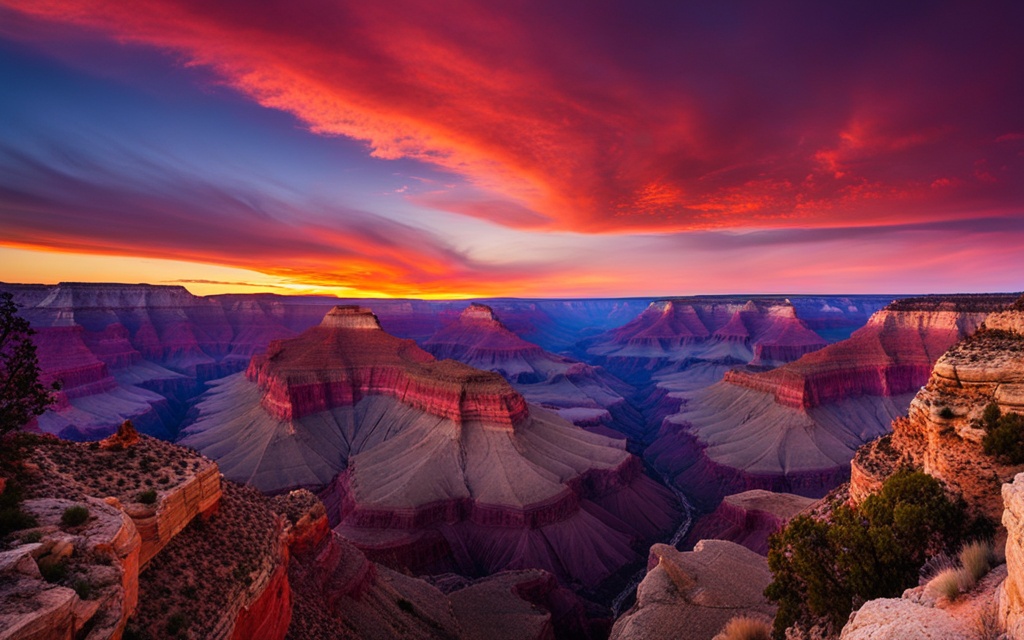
125,437
103,553
175,508
697,591
974,614
748,518
941,434
1012,594
898,619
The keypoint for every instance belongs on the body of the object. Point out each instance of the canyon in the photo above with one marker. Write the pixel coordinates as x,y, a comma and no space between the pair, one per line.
429,465
519,457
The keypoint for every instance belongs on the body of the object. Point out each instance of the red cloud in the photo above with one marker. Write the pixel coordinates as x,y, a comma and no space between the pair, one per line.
601,119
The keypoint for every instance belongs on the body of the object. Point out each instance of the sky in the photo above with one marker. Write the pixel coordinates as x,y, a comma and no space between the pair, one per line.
526,148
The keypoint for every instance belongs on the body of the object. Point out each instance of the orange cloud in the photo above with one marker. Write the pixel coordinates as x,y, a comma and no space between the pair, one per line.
608,120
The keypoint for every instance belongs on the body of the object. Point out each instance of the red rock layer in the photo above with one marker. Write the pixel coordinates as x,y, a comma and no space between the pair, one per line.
349,357
748,519
113,346
269,615
63,356
479,335
893,354
770,327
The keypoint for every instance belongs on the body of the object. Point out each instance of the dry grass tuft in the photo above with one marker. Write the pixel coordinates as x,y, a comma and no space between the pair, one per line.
745,628
976,558
948,583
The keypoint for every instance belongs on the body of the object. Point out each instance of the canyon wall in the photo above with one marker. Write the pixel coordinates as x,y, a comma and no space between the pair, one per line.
795,428
943,431
586,395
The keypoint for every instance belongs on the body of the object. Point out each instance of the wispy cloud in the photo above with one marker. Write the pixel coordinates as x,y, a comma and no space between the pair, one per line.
634,117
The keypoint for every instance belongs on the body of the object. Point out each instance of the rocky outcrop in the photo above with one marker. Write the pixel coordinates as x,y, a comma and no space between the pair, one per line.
585,395
748,518
800,434
697,591
1011,598
181,484
175,508
99,559
942,432
918,615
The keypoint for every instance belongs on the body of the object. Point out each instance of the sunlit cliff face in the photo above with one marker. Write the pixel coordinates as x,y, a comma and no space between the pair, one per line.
458,148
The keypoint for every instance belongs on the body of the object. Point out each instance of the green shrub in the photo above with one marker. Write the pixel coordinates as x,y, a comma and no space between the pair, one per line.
990,417
12,518
54,572
824,569
1004,437
148,496
405,605
83,589
74,516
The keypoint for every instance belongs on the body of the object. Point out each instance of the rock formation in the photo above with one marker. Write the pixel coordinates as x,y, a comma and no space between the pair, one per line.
762,331
1011,603
585,395
795,428
696,592
942,432
444,467
748,518
101,558
918,615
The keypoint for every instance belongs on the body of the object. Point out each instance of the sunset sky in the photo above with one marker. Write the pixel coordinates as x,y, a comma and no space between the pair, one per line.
548,148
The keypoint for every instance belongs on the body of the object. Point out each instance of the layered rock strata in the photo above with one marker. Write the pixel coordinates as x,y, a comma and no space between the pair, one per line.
748,518
760,331
796,428
296,383
585,395
444,466
942,433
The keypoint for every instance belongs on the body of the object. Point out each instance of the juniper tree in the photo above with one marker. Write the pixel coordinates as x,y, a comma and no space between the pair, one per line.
23,396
